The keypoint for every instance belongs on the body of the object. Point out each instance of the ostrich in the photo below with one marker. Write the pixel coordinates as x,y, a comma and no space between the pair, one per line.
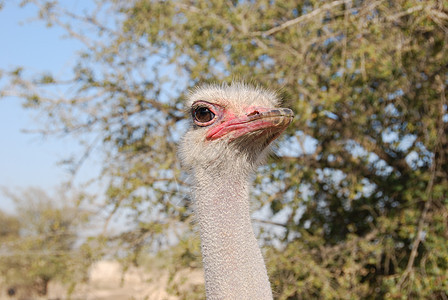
232,127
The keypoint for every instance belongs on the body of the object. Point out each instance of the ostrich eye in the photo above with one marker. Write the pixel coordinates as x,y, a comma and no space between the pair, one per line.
203,115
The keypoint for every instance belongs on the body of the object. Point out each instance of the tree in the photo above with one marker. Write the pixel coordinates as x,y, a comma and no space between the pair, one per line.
39,246
359,186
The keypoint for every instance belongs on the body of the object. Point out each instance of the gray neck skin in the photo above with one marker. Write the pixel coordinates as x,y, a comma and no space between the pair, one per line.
233,264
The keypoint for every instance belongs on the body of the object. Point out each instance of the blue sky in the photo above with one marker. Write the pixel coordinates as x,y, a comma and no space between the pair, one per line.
28,159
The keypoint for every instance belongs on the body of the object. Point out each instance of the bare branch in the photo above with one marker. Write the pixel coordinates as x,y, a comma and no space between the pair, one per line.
302,18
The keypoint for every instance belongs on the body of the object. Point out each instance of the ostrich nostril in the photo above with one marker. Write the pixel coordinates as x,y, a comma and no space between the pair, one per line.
255,112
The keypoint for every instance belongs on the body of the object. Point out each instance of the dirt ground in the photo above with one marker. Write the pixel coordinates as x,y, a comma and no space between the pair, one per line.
107,281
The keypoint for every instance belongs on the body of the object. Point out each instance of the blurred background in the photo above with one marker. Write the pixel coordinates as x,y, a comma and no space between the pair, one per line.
353,203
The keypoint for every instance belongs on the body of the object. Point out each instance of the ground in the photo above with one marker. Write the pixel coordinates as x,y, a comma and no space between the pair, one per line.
107,281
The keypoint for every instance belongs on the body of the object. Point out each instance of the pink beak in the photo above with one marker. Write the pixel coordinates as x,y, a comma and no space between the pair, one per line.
263,120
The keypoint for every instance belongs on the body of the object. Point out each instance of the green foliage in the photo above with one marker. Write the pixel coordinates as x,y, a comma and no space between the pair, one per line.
37,245
180,260
9,226
360,181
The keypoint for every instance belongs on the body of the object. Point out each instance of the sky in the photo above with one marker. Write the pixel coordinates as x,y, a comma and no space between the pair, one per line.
29,160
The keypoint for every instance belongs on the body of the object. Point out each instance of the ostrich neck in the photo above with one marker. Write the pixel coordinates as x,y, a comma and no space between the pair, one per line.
233,264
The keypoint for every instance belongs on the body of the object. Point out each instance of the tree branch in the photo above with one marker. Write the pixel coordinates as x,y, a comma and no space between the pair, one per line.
302,18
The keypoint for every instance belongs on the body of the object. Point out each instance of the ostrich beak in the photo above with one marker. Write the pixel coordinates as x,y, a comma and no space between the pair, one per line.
266,121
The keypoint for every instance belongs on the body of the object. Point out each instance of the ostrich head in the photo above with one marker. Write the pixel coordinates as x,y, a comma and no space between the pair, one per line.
231,124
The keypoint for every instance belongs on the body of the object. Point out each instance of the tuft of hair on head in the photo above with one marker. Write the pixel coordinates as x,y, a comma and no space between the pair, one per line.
236,94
